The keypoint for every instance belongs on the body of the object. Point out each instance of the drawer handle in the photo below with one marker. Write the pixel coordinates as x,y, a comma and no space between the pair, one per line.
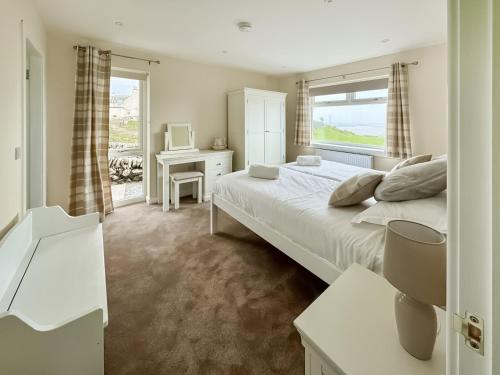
218,164
219,174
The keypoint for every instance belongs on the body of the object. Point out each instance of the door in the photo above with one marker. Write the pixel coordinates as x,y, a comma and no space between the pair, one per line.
127,136
474,181
274,131
34,138
255,126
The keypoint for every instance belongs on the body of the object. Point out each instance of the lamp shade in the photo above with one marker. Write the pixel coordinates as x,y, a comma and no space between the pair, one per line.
415,261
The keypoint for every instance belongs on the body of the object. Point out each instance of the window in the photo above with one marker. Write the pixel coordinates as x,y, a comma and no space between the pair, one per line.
125,123
355,117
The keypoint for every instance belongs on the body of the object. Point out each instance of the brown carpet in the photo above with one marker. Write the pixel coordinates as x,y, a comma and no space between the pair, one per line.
184,302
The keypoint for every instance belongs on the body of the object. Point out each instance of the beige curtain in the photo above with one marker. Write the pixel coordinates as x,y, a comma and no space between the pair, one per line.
90,187
398,113
302,117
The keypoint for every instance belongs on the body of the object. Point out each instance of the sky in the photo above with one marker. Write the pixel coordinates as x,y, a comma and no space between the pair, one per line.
363,119
122,86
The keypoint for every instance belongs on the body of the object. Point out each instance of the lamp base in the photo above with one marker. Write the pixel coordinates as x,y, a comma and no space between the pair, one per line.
417,326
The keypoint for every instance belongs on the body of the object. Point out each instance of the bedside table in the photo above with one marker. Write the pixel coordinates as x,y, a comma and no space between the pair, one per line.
351,329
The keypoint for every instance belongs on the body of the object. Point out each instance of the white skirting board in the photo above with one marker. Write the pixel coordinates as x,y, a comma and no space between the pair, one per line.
325,270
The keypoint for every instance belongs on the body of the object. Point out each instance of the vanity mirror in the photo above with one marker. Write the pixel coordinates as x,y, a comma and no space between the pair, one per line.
179,138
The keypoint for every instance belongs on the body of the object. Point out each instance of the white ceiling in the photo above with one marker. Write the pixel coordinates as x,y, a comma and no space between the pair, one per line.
287,36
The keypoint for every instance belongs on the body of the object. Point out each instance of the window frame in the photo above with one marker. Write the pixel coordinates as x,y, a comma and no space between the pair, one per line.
343,146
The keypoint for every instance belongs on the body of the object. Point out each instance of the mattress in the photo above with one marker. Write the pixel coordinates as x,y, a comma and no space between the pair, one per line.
296,205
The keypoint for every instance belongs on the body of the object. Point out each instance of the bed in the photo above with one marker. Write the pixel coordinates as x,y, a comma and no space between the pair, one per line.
292,213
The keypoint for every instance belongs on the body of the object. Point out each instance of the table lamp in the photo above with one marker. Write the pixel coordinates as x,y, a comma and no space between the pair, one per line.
415,264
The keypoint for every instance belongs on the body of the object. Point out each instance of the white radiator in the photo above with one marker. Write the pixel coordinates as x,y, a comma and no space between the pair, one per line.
359,160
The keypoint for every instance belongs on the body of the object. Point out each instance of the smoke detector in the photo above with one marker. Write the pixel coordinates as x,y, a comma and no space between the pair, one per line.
244,26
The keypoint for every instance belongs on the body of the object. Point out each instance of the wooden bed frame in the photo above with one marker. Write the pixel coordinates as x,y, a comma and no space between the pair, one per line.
325,270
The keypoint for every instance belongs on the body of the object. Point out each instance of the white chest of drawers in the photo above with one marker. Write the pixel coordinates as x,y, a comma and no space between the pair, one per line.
213,168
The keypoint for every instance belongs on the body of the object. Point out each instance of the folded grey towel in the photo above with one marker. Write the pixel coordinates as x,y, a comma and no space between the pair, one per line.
269,172
309,160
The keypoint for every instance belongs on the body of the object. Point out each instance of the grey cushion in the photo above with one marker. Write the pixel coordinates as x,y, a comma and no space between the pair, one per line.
355,189
412,161
413,182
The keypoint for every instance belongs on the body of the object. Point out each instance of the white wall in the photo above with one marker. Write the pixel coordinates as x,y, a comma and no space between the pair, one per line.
11,100
181,91
427,95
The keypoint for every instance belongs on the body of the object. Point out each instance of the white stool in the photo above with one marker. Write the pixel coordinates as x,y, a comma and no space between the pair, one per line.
178,178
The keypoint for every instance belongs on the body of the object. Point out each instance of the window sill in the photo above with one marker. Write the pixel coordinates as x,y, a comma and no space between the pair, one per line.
353,149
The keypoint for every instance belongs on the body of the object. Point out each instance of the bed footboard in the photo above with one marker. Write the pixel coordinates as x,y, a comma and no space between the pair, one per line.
320,267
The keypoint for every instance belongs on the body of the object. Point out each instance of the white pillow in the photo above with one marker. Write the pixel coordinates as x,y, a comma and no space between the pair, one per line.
427,211
416,181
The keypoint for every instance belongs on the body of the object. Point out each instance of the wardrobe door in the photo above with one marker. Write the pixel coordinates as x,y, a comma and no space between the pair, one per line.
255,120
274,131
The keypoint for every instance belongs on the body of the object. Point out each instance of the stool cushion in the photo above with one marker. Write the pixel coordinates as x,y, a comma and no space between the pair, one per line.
179,176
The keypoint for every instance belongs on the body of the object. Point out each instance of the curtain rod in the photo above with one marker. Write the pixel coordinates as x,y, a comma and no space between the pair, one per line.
362,71
127,57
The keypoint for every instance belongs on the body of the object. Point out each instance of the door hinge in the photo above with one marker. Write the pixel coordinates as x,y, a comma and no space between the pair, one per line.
472,328
27,74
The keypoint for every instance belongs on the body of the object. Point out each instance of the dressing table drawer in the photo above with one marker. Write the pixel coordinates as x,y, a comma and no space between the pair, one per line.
219,164
212,175
214,168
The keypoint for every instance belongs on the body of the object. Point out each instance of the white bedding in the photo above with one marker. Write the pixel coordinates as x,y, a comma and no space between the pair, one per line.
296,205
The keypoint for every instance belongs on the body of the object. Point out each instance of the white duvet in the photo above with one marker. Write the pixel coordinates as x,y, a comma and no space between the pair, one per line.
296,205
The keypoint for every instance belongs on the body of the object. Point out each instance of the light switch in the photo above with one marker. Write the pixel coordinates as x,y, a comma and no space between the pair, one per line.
17,153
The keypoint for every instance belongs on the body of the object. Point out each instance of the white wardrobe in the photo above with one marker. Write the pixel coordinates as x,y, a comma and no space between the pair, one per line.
256,130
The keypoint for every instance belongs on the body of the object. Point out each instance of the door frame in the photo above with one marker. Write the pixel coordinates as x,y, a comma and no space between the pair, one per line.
28,44
473,181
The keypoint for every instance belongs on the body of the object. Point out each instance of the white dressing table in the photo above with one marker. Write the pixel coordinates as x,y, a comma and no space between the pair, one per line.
212,163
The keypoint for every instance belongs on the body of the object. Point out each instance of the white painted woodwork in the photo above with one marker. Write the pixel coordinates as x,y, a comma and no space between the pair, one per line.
274,133
35,129
256,127
53,305
351,329
214,213
213,164
474,181
74,348
325,270
195,178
